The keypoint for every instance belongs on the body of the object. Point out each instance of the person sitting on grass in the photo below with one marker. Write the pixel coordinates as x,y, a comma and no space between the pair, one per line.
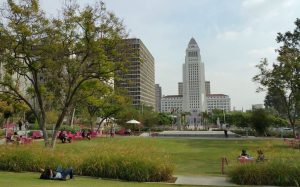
10,137
261,156
86,134
19,139
62,137
245,155
59,174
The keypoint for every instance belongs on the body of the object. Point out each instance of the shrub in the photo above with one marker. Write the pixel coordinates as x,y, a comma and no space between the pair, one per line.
113,161
277,172
69,128
34,126
280,134
2,132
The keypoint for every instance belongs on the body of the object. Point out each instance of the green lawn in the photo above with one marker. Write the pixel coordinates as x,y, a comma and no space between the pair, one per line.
189,156
196,156
32,180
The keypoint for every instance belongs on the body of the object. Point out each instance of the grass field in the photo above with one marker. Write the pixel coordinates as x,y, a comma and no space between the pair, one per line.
32,180
194,156
198,157
189,156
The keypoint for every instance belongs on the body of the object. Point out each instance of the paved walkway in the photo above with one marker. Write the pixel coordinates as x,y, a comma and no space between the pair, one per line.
210,134
203,180
207,180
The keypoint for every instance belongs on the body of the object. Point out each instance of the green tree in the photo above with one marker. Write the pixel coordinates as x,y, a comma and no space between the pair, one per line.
127,114
149,117
101,101
56,56
284,76
260,121
164,119
241,119
10,108
275,101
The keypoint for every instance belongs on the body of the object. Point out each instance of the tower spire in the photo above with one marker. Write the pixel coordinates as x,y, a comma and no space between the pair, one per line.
193,41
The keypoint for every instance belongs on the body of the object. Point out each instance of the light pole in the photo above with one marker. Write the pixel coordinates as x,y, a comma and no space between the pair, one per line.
224,116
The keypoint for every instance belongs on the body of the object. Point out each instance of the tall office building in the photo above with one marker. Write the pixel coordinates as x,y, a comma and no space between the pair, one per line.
194,96
139,80
158,95
207,87
180,88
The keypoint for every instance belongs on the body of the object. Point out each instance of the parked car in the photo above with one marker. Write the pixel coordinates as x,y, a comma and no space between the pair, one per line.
285,129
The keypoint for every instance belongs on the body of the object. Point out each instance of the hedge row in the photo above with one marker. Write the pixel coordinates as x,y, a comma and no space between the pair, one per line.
278,172
131,165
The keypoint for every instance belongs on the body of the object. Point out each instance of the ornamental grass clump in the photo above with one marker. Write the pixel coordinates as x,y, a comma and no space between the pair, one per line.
105,160
276,172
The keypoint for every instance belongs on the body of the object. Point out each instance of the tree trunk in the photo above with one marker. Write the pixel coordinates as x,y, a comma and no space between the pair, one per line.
72,118
45,135
294,131
101,123
91,124
57,126
42,126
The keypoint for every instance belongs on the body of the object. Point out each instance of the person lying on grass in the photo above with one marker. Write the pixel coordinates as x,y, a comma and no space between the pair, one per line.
58,174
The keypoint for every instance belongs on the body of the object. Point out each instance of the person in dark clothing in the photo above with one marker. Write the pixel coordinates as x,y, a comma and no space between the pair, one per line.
59,174
62,137
86,134
47,173
83,133
20,124
226,133
244,153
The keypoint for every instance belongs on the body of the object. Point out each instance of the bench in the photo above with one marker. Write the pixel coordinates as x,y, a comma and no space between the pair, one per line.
25,140
77,135
36,134
93,134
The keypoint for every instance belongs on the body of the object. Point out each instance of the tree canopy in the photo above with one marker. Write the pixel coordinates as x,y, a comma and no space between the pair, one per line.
47,60
283,79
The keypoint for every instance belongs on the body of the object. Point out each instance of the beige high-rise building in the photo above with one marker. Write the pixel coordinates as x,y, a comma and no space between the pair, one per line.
140,77
180,88
194,96
158,95
207,87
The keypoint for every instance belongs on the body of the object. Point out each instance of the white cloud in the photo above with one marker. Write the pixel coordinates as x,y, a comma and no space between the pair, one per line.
262,52
234,35
228,35
252,3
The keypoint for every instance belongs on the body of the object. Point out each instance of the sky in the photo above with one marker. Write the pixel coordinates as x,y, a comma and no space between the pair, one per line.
232,35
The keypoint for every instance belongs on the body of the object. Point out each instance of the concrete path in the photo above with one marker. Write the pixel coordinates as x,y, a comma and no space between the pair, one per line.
203,180
2,141
209,134
145,134
207,181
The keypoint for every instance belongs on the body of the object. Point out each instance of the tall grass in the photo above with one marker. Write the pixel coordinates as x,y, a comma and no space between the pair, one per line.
106,160
276,172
